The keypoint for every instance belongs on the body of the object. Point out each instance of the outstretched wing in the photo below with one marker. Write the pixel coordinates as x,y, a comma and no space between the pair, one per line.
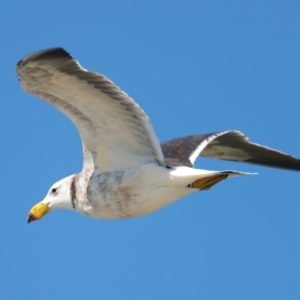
115,130
227,145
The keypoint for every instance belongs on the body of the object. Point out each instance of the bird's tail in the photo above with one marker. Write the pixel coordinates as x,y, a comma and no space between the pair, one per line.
202,179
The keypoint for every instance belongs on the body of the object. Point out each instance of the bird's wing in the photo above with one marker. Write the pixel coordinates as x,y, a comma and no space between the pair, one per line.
114,129
227,145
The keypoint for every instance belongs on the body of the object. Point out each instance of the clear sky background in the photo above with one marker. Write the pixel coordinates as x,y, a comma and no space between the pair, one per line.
194,67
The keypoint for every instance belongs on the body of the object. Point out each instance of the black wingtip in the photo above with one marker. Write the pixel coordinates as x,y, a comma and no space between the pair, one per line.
51,53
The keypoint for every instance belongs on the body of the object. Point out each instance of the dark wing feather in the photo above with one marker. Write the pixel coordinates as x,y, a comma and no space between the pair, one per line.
177,152
228,145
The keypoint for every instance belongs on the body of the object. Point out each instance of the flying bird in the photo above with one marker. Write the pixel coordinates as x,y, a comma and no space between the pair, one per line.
126,172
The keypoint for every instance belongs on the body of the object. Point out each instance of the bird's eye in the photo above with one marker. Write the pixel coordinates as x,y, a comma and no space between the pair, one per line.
53,191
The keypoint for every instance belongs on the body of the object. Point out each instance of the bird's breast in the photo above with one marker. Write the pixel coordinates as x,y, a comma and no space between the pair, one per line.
130,192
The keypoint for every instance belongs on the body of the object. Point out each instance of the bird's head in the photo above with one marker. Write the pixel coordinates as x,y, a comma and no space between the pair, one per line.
59,196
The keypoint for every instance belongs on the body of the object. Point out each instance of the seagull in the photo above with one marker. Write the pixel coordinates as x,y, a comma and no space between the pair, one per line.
126,172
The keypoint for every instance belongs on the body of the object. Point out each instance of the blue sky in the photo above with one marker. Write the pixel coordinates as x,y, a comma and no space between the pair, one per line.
194,67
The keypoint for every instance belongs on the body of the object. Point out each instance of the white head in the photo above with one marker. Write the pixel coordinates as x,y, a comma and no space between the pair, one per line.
59,196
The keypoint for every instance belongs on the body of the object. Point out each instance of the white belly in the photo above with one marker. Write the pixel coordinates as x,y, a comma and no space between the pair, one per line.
132,192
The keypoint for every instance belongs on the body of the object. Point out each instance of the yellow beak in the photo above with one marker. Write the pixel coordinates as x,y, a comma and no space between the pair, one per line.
38,211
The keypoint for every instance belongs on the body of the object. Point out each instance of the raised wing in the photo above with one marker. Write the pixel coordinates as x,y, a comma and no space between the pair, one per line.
227,145
112,126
